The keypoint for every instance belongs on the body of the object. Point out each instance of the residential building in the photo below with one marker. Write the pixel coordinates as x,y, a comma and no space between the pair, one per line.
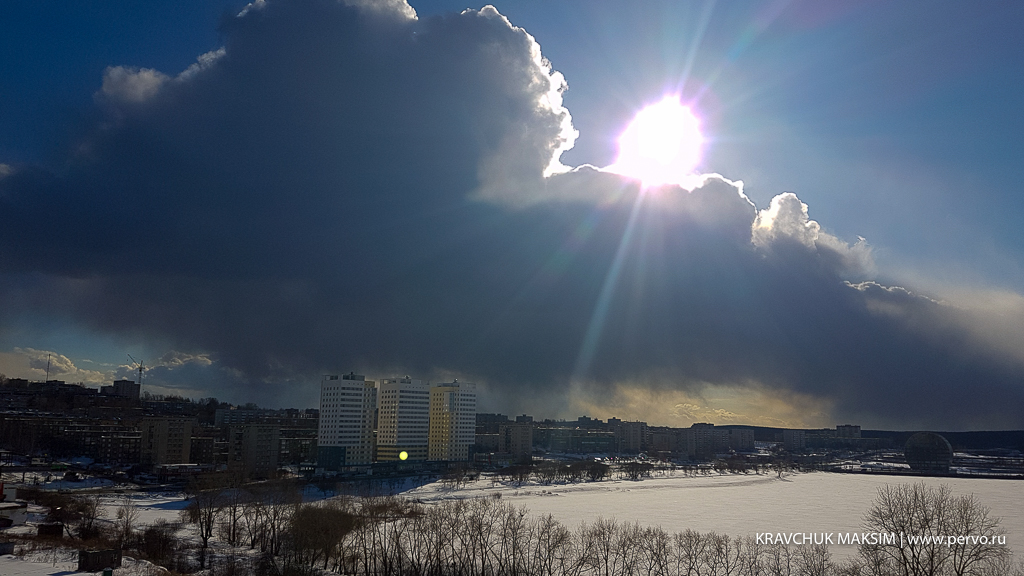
254,449
122,388
741,439
631,436
794,440
345,433
700,440
403,419
165,440
516,440
233,416
848,431
452,423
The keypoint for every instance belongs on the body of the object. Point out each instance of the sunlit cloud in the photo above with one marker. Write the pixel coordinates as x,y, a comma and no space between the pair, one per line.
255,169
661,402
662,145
39,364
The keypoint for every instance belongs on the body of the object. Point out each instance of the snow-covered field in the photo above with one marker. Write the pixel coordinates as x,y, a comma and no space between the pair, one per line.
150,507
738,505
64,562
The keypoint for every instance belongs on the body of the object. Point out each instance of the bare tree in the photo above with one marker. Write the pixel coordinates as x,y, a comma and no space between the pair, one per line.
203,511
969,519
922,519
597,471
125,520
636,470
317,531
232,505
254,521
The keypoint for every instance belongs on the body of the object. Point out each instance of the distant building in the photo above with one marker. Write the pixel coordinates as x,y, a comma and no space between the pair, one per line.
700,440
120,445
209,446
741,439
403,419
122,388
165,440
452,424
574,440
794,440
345,435
234,416
488,423
665,441
928,452
254,449
298,446
516,440
848,431
631,436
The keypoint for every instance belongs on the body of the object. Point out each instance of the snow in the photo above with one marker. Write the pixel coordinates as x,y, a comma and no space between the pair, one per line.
64,562
736,504
150,507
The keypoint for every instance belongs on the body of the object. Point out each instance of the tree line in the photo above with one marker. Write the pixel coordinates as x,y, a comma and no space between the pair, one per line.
389,535
268,530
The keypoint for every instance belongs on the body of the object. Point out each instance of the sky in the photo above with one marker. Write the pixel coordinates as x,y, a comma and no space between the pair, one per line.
246,197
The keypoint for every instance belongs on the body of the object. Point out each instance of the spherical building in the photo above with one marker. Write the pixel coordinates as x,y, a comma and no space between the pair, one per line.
928,452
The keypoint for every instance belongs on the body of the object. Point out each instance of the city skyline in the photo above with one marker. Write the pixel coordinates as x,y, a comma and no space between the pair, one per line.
246,197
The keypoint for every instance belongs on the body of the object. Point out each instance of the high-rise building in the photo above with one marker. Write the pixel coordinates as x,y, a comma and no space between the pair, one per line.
345,434
452,420
403,419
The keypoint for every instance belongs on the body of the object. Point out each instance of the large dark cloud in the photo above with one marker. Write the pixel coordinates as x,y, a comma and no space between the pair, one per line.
351,188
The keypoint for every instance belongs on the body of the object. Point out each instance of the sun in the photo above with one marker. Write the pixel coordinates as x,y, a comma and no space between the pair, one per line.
662,145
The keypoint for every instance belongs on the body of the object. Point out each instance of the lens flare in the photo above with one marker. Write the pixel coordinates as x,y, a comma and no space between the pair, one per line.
662,145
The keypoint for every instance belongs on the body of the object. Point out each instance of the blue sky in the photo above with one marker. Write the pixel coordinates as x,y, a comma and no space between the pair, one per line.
895,123
892,122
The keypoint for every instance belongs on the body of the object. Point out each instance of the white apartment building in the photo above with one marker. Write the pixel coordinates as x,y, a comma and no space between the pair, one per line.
452,420
403,419
345,434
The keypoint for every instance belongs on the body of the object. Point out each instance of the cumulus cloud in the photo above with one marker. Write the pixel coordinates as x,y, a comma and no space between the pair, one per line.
134,85
39,363
393,8
786,220
344,186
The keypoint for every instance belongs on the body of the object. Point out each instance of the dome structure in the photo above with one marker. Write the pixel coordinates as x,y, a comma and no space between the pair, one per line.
928,452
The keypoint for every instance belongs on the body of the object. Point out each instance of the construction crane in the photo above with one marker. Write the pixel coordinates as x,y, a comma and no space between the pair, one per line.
138,365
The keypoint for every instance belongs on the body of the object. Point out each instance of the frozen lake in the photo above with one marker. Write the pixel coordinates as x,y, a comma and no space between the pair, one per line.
738,505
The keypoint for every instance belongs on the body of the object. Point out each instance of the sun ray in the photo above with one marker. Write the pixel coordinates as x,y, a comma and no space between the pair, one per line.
595,327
